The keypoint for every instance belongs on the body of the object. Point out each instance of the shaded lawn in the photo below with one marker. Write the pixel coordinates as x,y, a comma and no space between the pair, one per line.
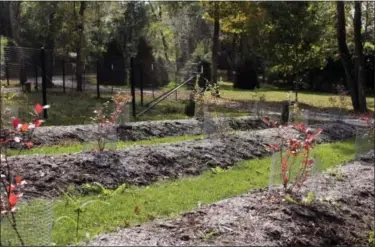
273,94
76,108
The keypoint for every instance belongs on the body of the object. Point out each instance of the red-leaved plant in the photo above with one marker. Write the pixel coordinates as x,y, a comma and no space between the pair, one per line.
107,124
11,188
292,148
368,119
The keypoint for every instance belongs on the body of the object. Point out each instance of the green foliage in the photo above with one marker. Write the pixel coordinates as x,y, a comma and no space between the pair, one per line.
309,199
295,36
99,190
169,198
217,170
78,206
288,198
371,239
288,36
335,172
207,236
4,42
305,201
76,147
201,50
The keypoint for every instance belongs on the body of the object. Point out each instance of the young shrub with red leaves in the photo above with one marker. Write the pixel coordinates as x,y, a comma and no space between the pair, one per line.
11,186
294,171
107,124
368,119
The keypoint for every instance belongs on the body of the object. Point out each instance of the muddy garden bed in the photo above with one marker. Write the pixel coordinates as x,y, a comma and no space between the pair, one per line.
143,165
343,217
135,131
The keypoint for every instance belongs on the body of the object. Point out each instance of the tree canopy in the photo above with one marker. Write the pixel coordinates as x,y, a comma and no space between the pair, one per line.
282,39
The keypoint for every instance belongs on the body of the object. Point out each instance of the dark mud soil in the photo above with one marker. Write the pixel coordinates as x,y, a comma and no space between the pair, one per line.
135,131
343,215
143,165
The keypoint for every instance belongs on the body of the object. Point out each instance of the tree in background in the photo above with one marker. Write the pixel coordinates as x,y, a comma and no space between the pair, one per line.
354,74
360,65
284,42
80,27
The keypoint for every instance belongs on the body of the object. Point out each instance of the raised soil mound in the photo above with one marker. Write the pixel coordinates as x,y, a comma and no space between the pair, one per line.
134,131
342,216
143,165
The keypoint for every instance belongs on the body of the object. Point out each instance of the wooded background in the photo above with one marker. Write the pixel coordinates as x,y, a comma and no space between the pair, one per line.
317,44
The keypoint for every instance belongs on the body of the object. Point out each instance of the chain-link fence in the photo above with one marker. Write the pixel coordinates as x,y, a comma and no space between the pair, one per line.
22,66
24,69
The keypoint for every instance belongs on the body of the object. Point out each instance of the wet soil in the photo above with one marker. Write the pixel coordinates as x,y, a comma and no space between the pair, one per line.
143,165
342,215
134,131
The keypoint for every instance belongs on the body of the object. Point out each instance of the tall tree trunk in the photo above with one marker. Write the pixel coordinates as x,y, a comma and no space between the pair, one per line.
232,59
360,63
344,54
367,18
50,44
128,38
79,60
163,39
215,42
14,19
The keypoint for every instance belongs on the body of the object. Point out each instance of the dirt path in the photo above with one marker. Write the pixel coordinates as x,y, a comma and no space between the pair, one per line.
344,218
143,165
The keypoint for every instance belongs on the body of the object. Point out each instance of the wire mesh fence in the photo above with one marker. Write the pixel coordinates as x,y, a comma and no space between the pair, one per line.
257,109
282,169
23,65
299,116
22,72
34,221
364,141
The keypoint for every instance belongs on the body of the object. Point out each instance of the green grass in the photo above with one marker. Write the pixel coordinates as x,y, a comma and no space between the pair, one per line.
77,147
91,79
32,220
66,109
277,95
77,108
171,109
12,83
169,198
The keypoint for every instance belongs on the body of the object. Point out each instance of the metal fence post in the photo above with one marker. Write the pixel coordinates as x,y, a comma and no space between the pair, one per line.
73,73
132,84
63,74
36,77
44,86
98,79
296,91
7,72
22,74
141,81
153,83
1,93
